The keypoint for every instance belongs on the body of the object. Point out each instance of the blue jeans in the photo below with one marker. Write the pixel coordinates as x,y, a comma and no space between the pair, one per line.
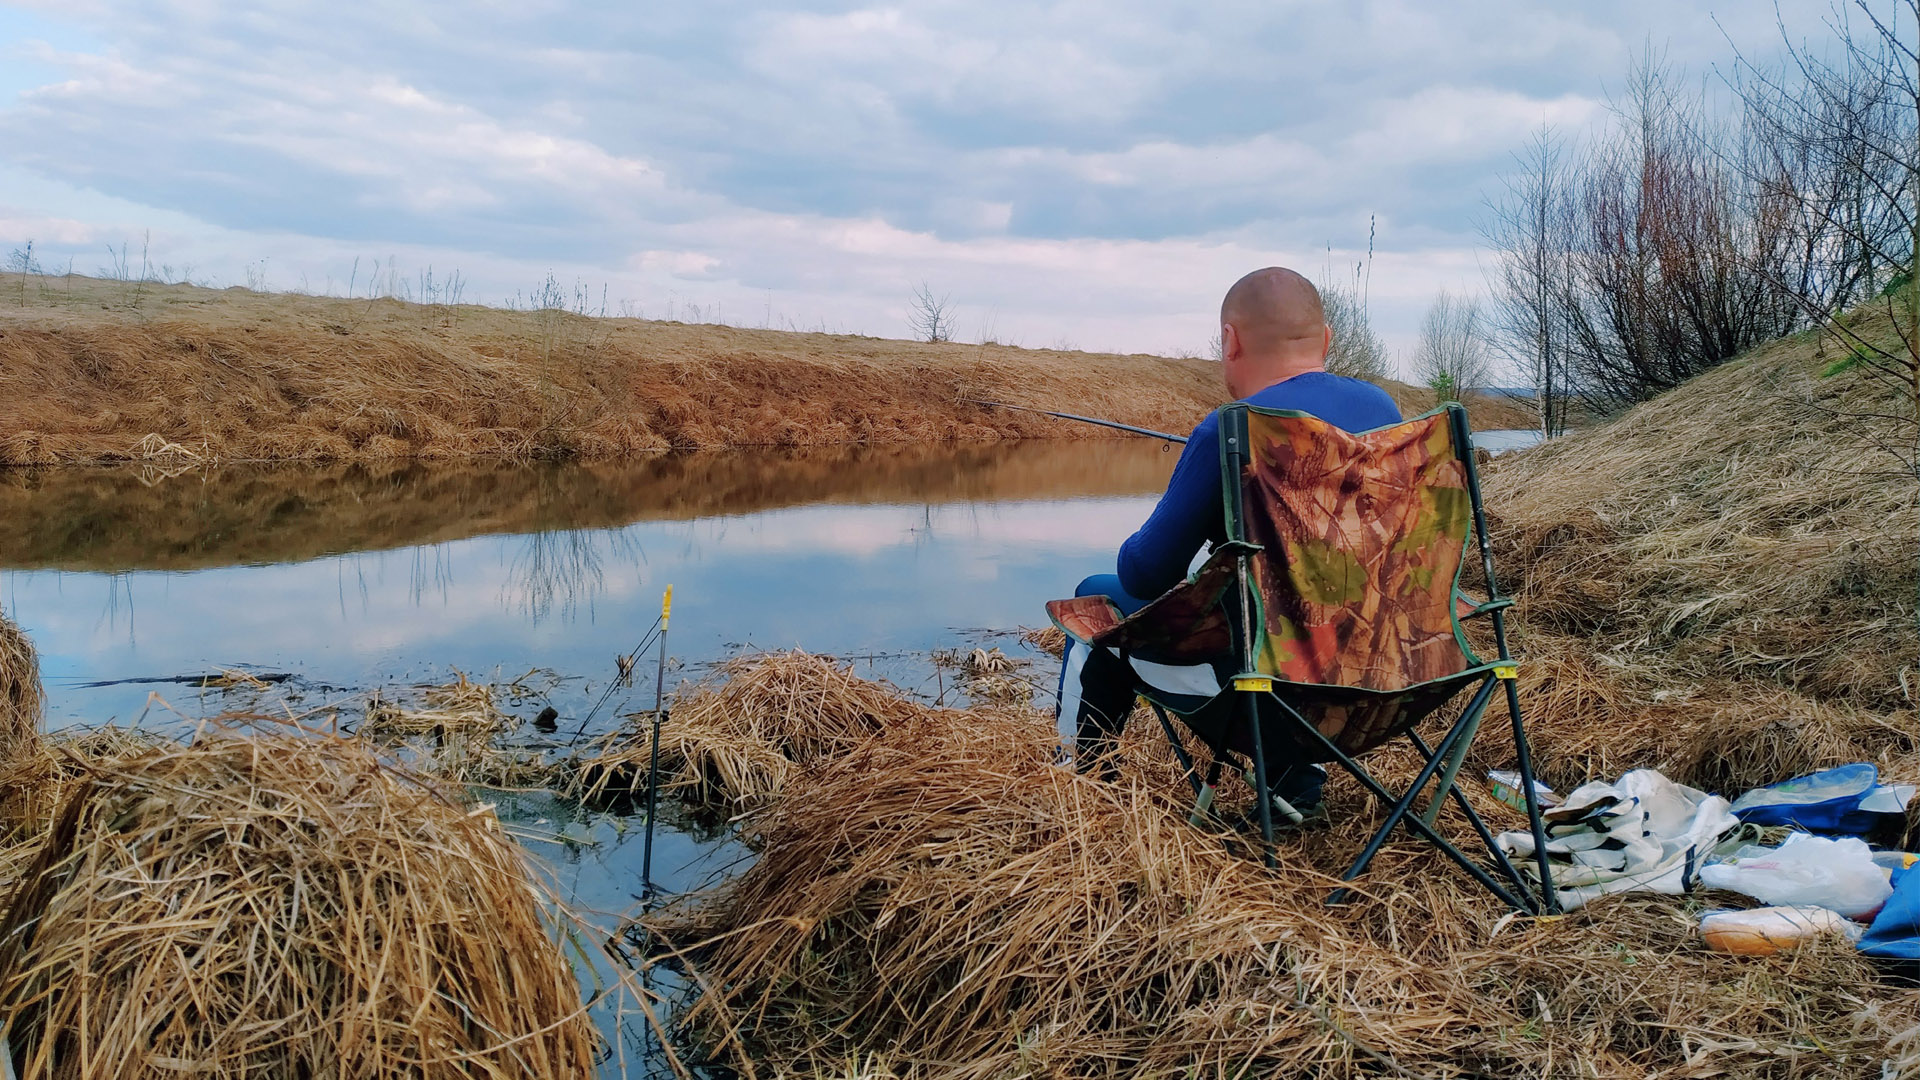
1107,686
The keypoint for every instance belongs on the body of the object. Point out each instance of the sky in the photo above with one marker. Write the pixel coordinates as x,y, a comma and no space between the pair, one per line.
1067,174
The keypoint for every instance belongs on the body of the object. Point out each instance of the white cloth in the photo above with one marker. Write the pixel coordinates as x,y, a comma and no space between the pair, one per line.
1641,832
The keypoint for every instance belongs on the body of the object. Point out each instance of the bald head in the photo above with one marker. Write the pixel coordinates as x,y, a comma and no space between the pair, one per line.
1271,328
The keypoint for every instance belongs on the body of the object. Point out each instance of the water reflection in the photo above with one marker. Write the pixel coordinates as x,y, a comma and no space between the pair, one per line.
860,553
122,519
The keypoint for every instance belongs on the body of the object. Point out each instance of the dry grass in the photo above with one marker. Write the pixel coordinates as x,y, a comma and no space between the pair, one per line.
23,758
1591,717
454,734
734,742
280,905
459,708
1739,526
191,375
1050,640
940,901
21,697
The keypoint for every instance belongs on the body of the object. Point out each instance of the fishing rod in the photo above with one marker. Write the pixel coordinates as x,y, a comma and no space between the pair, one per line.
1181,439
653,756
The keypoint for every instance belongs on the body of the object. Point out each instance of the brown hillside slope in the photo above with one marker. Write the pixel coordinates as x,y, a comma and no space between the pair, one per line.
95,371
1747,523
1719,583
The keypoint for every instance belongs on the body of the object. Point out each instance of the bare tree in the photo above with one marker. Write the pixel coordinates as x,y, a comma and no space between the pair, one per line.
1531,228
930,316
1452,356
1356,352
1842,137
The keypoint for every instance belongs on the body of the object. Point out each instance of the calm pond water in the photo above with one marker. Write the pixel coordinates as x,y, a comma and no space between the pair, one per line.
338,582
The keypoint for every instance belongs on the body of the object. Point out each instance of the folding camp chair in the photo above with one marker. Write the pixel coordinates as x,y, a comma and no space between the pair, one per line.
1331,620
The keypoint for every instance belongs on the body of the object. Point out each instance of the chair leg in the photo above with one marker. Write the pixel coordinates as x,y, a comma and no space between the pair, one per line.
1261,793
1549,901
1452,770
1405,802
1479,826
1421,828
1179,751
1202,789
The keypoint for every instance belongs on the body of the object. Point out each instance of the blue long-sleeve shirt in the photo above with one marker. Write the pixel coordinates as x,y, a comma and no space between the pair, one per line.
1190,514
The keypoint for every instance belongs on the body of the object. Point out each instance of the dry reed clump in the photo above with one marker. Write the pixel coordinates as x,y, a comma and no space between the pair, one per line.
455,735
461,707
280,905
1050,640
21,697
941,902
23,764
1746,524
737,741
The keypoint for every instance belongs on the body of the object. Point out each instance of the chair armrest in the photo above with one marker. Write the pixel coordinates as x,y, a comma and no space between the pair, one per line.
1467,609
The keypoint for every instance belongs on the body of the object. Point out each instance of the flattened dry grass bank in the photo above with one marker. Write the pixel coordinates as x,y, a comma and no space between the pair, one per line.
934,898
94,371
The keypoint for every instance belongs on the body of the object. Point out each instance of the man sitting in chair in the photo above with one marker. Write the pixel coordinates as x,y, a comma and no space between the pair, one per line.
1273,349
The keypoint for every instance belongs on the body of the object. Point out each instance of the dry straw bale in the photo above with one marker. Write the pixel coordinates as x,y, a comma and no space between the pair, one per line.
941,902
735,741
280,905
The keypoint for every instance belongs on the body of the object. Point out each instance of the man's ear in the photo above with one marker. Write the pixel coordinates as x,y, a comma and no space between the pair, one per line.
1229,342
1326,346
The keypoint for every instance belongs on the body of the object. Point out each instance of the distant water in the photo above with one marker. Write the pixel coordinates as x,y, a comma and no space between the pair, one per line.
1501,440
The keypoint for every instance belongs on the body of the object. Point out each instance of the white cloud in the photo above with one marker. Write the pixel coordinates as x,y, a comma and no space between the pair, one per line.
1067,170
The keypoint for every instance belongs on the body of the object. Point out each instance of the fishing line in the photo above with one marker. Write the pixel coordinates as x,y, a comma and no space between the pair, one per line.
631,658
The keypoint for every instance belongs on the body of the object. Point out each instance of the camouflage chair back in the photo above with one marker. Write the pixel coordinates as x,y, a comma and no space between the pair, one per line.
1332,620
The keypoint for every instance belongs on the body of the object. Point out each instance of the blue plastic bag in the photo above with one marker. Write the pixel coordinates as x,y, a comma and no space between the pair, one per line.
1895,933
1826,801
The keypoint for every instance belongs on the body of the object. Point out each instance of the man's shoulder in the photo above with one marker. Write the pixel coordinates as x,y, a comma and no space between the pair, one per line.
1320,385
1354,404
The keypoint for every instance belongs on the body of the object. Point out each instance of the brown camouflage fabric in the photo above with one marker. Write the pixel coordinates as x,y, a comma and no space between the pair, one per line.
1362,538
1364,535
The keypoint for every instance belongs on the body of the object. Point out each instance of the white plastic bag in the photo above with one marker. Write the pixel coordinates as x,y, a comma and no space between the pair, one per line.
1839,875
1642,832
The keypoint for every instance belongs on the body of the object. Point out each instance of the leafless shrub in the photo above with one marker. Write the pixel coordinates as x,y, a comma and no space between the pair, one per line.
1357,351
1451,357
930,317
1529,227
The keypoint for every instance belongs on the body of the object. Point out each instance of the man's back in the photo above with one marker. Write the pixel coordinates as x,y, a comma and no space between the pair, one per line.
1190,514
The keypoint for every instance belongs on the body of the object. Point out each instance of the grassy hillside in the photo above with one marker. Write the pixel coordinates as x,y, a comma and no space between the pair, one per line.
94,371
1721,581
